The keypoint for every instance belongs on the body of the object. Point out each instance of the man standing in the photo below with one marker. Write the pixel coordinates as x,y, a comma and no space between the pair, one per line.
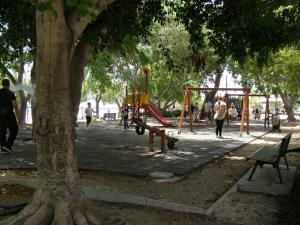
8,112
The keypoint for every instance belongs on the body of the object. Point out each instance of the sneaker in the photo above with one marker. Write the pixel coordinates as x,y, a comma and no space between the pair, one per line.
7,149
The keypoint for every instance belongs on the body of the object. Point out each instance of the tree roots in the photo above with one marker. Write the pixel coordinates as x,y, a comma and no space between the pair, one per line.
49,213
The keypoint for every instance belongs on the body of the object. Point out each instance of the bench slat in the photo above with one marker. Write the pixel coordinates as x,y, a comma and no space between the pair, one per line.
265,153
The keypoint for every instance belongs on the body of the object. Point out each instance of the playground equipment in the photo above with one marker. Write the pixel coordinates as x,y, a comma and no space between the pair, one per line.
245,108
267,117
140,125
245,112
139,103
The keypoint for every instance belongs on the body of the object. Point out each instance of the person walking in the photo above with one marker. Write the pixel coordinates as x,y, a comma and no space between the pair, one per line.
89,114
220,112
8,113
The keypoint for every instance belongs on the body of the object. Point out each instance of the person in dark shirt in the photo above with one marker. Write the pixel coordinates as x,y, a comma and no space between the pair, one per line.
8,109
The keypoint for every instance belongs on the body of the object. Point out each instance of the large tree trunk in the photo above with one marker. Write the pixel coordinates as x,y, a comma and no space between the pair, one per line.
59,192
58,177
209,97
58,199
23,106
97,100
33,98
288,104
21,94
79,61
119,107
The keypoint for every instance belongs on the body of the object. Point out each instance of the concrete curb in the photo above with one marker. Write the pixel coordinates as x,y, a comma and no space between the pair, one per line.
98,193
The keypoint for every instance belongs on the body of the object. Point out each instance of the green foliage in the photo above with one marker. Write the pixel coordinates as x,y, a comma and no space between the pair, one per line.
44,6
72,3
283,70
131,18
17,33
241,28
279,74
97,78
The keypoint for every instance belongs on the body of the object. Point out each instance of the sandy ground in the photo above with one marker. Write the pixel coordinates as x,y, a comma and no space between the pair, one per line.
201,188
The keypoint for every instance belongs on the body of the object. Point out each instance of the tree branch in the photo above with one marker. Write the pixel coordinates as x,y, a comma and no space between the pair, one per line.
78,24
7,73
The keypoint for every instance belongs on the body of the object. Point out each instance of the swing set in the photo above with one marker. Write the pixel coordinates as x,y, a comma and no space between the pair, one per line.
245,108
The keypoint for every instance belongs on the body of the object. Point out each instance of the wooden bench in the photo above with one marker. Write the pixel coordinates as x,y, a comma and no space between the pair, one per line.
271,155
201,122
109,116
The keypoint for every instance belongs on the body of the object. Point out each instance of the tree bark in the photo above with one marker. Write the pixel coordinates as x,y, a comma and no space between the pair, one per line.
79,61
168,104
288,104
57,164
97,100
209,97
21,94
59,193
33,98
58,199
119,107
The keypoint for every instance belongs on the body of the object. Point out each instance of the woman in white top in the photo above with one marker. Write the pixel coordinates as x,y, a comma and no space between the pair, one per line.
220,112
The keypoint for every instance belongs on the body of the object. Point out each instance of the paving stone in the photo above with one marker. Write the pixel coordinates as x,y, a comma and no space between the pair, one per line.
107,147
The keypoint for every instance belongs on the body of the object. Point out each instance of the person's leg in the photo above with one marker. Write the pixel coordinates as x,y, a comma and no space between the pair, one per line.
221,127
13,131
217,127
88,121
3,129
125,123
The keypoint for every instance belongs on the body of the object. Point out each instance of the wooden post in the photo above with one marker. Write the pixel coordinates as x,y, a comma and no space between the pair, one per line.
190,110
150,140
247,112
243,117
268,109
138,103
133,103
162,140
227,108
146,72
182,111
126,96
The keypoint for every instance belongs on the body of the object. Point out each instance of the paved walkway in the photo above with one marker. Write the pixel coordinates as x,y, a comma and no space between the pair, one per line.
107,147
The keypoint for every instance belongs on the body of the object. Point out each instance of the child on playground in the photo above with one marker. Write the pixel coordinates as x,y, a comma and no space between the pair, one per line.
125,113
232,112
88,114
